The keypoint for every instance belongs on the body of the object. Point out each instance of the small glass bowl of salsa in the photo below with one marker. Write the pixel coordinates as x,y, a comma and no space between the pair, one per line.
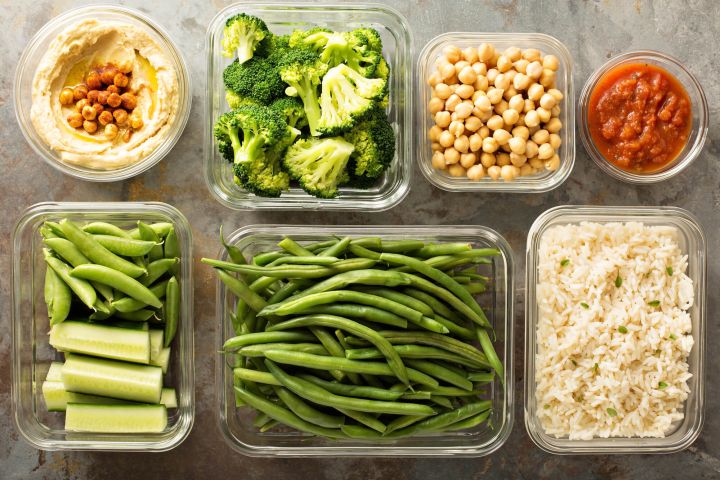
644,117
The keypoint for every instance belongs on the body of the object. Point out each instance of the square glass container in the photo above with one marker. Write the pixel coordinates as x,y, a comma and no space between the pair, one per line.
541,182
32,354
236,423
692,243
282,19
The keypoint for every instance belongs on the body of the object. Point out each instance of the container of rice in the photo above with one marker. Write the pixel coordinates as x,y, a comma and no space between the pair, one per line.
615,330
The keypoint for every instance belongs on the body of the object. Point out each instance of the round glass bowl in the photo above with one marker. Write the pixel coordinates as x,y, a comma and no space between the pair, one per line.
32,56
699,112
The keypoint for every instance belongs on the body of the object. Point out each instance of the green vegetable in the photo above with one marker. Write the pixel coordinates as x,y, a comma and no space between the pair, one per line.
242,35
612,412
565,262
618,281
318,164
622,329
303,70
669,271
662,385
654,303
584,305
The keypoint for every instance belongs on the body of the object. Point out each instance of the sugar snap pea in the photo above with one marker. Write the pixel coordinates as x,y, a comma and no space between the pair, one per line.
85,292
147,233
160,228
126,247
129,304
105,228
172,310
118,280
157,269
57,296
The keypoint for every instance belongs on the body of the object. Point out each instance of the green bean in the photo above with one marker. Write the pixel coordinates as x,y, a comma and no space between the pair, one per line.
261,419
127,247
240,341
319,395
234,252
293,305
142,315
334,363
454,328
263,259
401,246
455,392
430,324
341,338
360,251
285,416
435,249
308,413
413,351
172,308
419,395
294,271
444,402
461,279
490,353
437,306
438,371
435,340
58,297
260,349
294,248
334,348
361,391
447,296
469,422
160,228
157,269
475,288
85,292
439,422
239,288
472,273
336,249
402,422
269,425
365,312
401,298
305,260
367,242
481,376
319,246
118,280
97,253
255,376
105,228
147,233
129,304
360,432
364,418
362,277
393,359
287,290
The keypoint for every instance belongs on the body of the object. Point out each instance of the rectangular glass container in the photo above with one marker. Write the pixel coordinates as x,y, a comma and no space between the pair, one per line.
236,423
692,243
282,19
541,182
32,354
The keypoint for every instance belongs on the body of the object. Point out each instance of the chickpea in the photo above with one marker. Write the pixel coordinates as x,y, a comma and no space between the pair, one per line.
82,103
113,89
535,92
114,100
534,70
502,159
483,103
434,79
551,62
476,172
111,131
446,139
438,161
467,75
494,172
93,95
541,136
456,128
531,149
475,142
502,136
121,116
555,141
495,95
80,92
467,160
547,101
495,122
490,145
105,118
434,133
442,91
509,172
521,81
98,108
510,74
456,170
521,132
90,126
120,80
534,129
442,119
67,97
136,122
509,93
484,132
464,110
481,83
75,120
108,74
518,159
452,81
510,116
485,52
529,105
545,151
516,103
501,82
505,149
555,112
503,64
487,159
526,170
93,81
553,125
517,145
459,66
103,96
556,93
436,147
536,163
462,144
435,105
473,123
483,116
470,54
532,119
491,74
479,67
501,106
543,114
451,156
452,102
452,53
553,164
521,65
513,53
547,79
465,91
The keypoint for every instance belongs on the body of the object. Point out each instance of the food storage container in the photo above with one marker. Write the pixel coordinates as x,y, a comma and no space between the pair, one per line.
282,19
541,182
32,353
692,243
236,423
700,113
32,56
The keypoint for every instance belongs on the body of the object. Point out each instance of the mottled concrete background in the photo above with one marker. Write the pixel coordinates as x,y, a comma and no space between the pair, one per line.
592,30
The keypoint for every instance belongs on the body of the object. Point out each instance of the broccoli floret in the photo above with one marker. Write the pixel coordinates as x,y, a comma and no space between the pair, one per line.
242,35
334,48
374,142
372,37
292,111
315,38
257,79
302,70
236,101
346,98
318,164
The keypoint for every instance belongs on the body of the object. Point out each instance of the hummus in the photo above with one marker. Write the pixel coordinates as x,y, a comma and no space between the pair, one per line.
152,77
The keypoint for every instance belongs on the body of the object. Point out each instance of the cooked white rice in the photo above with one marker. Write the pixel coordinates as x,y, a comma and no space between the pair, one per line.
592,378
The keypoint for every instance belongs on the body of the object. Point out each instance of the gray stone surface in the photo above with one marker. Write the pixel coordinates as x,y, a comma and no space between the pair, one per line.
592,30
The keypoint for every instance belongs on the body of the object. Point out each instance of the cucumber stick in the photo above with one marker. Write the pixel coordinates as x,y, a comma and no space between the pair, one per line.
168,398
102,341
55,372
156,343
57,398
111,378
162,360
84,417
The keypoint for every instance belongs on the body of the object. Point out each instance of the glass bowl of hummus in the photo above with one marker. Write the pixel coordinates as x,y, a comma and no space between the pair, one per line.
102,93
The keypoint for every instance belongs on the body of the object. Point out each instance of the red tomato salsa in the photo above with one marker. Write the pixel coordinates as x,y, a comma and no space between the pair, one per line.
639,117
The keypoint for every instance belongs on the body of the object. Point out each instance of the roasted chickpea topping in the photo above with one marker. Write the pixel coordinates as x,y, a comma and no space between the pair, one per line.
114,100
111,131
94,82
80,92
90,126
67,97
105,118
121,116
129,101
75,120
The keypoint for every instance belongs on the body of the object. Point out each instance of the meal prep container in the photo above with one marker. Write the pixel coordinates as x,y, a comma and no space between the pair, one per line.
700,113
236,423
541,182
32,56
692,243
282,19
32,354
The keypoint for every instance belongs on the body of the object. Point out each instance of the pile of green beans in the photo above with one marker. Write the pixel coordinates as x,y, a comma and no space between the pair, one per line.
361,338
100,272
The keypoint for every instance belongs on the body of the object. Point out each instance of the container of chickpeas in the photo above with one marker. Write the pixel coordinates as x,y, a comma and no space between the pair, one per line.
102,93
496,112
